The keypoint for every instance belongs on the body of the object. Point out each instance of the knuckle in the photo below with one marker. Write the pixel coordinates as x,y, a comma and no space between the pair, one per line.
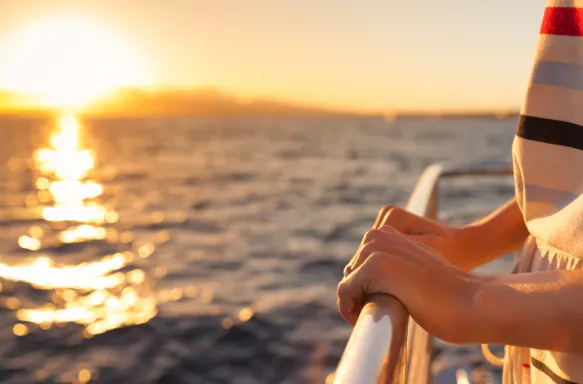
339,308
369,248
372,234
389,229
388,207
340,291
395,212
347,270
377,257
377,262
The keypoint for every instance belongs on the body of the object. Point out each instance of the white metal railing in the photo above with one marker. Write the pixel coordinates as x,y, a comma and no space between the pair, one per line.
381,348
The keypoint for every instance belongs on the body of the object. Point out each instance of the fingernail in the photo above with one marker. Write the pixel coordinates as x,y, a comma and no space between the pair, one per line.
349,306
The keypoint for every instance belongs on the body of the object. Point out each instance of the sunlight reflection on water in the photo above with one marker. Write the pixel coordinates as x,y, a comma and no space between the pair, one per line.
101,294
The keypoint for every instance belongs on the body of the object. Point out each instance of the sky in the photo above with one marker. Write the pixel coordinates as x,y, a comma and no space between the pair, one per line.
363,55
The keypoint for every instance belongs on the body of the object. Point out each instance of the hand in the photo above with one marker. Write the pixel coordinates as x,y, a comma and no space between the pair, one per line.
453,243
437,294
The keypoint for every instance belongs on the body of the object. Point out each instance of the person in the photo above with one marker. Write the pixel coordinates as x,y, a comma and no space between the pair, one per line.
426,264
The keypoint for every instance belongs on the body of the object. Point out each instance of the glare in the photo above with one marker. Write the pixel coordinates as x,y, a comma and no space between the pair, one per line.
20,330
29,243
82,233
84,375
101,294
245,314
98,316
111,217
136,277
74,211
41,273
36,232
42,183
99,310
64,158
145,250
68,62
67,190
64,167
175,294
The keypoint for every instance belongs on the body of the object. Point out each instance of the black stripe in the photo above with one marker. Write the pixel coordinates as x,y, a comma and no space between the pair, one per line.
547,371
550,131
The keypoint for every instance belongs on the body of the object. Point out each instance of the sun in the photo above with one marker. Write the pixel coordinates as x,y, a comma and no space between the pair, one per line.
68,62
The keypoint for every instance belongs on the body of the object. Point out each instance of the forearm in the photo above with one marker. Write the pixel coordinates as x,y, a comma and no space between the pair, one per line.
500,232
542,310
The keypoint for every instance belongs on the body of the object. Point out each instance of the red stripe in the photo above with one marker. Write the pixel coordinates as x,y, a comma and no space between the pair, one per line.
563,21
526,365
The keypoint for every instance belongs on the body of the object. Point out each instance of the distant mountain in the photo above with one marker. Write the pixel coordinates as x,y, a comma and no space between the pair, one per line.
202,102
132,102
17,104
171,102
457,115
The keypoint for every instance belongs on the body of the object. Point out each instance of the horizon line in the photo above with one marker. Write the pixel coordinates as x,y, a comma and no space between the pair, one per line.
18,105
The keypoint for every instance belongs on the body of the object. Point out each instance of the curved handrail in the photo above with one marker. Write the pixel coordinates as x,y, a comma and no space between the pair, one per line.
376,351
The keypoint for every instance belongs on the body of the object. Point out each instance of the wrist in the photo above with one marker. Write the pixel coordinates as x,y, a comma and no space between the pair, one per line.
468,247
500,232
483,309
466,325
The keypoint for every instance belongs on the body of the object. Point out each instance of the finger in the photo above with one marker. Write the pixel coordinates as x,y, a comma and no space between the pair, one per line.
353,290
377,224
381,240
381,215
351,297
407,222
427,241
368,249
388,240
399,219
370,236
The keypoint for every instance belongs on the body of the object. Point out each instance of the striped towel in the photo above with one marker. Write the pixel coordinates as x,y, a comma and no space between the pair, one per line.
548,173
548,148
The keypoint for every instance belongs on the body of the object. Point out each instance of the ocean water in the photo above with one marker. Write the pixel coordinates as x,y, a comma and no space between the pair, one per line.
204,250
